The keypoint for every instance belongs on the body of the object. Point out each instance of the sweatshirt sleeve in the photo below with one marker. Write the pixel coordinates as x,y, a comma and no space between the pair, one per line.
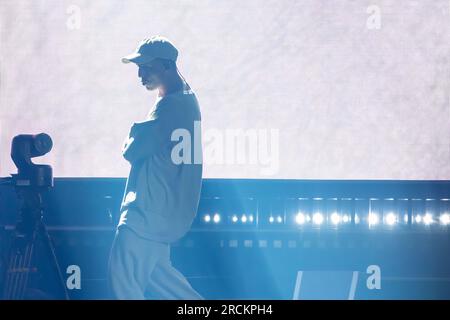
149,137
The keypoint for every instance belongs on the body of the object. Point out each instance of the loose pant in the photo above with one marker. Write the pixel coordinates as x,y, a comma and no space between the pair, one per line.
138,266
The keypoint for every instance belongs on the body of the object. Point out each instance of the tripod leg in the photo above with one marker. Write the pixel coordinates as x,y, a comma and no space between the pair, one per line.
10,276
51,250
23,280
16,275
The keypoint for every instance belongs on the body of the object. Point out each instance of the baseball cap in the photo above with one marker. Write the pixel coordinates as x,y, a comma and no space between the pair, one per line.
151,48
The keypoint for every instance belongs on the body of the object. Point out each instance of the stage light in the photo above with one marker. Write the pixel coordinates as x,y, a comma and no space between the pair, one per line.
335,218
428,219
391,219
250,218
405,218
346,218
373,219
207,218
418,219
445,219
234,218
357,219
271,219
318,218
216,218
244,218
300,218
279,219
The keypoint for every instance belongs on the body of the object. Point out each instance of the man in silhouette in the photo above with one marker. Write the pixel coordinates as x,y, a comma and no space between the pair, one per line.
162,193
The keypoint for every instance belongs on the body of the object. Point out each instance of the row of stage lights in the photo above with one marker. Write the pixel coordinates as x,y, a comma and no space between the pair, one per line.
373,219
216,218
336,219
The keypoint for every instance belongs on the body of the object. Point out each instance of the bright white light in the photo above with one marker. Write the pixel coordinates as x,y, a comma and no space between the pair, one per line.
428,219
234,218
373,219
207,218
356,219
318,218
445,219
345,218
279,219
335,218
405,218
250,218
391,219
271,219
300,218
244,218
216,218
418,219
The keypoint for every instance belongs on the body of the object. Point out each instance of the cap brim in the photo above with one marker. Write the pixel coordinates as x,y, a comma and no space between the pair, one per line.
134,57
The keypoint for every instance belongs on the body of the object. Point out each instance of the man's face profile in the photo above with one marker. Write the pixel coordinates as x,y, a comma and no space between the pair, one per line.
151,74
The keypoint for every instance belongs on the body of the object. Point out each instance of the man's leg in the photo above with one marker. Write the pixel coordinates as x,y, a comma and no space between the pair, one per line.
131,262
168,283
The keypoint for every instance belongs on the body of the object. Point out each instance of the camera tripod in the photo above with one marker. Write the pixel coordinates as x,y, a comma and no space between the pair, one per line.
29,232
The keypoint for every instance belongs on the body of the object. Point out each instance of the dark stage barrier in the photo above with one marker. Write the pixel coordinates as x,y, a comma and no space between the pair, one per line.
270,239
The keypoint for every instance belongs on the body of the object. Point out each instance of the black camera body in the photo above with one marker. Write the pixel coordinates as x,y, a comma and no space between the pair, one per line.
23,148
